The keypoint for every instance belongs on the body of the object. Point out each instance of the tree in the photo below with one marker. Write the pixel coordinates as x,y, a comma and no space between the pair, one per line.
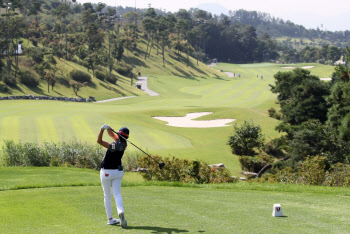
76,86
301,96
149,25
246,138
339,113
93,60
49,77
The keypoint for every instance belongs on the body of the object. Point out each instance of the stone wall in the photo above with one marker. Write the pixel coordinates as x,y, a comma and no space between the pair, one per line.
32,97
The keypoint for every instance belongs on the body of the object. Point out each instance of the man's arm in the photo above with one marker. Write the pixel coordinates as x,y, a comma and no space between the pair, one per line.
100,141
112,135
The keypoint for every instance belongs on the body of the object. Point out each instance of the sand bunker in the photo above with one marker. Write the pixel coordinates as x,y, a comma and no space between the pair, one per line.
306,67
326,78
187,122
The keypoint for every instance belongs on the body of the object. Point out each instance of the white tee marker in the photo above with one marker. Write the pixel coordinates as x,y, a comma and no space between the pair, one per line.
277,210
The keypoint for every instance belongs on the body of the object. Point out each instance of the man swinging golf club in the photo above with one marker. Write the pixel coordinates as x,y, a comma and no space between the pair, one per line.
111,173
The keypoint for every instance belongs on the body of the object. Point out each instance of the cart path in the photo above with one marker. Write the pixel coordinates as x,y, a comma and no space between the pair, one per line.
144,87
114,99
143,81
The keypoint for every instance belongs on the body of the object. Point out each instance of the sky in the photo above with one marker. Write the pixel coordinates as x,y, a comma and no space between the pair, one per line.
333,15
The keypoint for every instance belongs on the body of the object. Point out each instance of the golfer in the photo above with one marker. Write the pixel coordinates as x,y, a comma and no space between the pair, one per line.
111,173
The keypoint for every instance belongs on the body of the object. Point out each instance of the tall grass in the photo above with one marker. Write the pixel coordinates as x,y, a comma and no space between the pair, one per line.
72,154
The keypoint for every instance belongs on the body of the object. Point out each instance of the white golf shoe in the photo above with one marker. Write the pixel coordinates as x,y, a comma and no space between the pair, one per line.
123,222
113,221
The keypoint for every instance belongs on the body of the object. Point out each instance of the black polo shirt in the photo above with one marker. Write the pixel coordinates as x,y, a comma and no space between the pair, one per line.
114,154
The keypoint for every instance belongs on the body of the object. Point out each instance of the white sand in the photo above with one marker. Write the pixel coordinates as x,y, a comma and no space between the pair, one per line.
307,67
326,78
187,122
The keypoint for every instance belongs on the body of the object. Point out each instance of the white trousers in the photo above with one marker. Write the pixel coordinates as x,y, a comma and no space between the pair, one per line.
111,180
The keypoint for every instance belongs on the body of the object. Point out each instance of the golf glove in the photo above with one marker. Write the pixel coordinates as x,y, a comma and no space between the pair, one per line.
105,127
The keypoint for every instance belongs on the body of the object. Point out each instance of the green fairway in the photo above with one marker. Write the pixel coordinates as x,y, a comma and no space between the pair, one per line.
162,208
245,98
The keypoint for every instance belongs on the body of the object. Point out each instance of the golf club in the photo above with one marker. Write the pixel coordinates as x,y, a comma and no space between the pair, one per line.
161,165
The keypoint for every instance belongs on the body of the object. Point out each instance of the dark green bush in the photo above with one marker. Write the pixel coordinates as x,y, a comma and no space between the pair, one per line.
254,164
80,76
183,170
28,78
276,147
4,88
111,78
246,138
100,75
10,80
36,54
124,69
274,114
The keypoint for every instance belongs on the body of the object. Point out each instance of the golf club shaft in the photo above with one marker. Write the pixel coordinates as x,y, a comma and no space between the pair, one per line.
134,145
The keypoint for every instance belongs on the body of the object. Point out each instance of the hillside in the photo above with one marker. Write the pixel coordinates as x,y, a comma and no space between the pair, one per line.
105,90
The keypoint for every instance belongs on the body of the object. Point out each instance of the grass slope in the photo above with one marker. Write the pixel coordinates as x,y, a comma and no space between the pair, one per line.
105,90
160,207
246,98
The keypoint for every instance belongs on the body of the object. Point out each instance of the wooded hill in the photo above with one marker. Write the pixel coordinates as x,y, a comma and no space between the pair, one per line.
101,39
86,52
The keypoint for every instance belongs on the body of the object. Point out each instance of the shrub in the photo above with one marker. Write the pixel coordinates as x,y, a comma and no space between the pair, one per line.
4,88
100,75
130,161
254,164
2,65
124,69
183,170
338,175
27,154
10,80
74,153
313,170
36,54
111,78
246,138
80,76
28,78
276,147
274,114
51,59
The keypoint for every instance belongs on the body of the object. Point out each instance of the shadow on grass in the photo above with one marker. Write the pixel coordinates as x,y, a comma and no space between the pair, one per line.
158,229
91,85
135,61
36,90
112,89
63,81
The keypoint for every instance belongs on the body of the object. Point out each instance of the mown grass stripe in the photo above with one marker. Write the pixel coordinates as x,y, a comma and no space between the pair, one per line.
47,129
81,128
64,129
10,128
